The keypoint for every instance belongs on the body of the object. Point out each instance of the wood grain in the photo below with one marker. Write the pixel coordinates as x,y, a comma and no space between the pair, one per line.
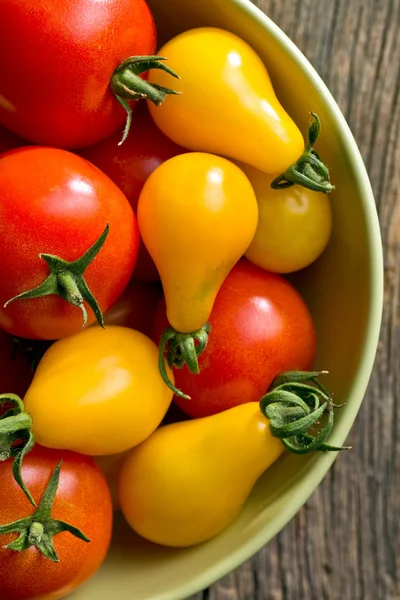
345,543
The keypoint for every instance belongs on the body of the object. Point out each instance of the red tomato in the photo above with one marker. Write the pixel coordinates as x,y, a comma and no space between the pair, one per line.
15,371
260,327
82,500
8,140
67,52
136,307
130,164
57,203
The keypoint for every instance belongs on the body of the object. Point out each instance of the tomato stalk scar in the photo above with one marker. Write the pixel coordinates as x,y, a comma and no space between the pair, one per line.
16,438
309,170
40,528
181,349
294,405
127,85
66,279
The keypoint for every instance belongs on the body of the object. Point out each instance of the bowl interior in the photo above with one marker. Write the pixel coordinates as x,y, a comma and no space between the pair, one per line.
343,290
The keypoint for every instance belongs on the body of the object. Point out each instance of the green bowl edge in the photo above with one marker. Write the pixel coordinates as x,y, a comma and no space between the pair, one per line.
357,391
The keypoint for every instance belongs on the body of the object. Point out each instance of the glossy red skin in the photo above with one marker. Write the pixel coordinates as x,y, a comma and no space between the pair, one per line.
130,164
43,209
260,327
9,140
15,372
136,307
83,500
55,84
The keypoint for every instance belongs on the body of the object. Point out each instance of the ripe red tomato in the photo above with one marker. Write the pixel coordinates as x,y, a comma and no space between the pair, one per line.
15,371
130,164
67,52
136,307
57,203
260,327
9,140
82,500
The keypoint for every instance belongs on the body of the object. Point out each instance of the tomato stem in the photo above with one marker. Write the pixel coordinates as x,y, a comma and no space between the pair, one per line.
36,531
16,438
294,405
66,279
40,528
181,349
309,170
127,84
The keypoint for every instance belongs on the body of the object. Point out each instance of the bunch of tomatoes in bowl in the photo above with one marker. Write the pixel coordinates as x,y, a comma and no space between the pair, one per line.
145,233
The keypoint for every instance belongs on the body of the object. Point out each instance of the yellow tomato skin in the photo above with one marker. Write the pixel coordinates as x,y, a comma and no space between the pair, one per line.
98,392
294,225
197,216
189,480
227,104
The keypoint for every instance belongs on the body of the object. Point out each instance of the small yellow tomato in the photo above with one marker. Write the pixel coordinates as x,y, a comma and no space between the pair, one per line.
98,392
228,105
294,225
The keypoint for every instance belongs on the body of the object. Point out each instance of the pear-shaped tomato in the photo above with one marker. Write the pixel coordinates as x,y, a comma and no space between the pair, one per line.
197,215
228,106
98,392
189,480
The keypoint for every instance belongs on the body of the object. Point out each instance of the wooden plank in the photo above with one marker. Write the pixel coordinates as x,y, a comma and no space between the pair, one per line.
344,544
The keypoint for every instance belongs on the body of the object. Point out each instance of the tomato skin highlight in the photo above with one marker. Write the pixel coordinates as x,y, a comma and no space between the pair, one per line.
130,164
260,327
83,500
67,51
55,202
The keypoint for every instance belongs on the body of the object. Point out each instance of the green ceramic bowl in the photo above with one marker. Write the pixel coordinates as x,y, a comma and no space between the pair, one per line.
343,290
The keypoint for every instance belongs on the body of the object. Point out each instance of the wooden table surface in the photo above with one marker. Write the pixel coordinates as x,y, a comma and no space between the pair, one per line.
344,544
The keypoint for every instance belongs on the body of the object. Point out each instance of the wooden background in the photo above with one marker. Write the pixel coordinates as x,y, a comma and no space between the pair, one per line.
344,544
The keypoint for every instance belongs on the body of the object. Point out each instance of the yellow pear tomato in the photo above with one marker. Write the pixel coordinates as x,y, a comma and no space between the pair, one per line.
98,392
227,104
197,215
189,480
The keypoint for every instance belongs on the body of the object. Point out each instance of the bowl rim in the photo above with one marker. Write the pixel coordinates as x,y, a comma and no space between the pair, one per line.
313,478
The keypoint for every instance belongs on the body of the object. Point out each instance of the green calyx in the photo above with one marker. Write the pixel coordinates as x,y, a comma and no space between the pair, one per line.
309,170
294,406
181,349
16,438
40,528
127,84
66,279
